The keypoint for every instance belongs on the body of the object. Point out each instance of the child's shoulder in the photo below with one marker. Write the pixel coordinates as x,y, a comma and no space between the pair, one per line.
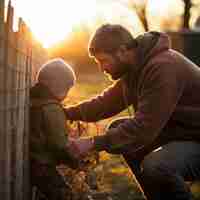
54,109
54,113
47,106
40,103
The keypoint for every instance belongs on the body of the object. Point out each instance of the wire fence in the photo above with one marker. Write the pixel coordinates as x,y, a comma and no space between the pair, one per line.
20,58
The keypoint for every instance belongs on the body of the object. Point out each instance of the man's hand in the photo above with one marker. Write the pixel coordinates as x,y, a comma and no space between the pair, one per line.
73,133
80,147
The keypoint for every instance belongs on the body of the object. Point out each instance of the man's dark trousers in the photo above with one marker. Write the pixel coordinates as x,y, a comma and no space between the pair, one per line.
162,172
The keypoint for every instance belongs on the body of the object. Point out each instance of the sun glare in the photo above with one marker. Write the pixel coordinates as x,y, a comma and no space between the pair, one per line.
51,21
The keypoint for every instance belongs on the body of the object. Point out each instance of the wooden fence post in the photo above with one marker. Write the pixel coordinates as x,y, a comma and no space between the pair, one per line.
7,109
22,105
20,55
2,99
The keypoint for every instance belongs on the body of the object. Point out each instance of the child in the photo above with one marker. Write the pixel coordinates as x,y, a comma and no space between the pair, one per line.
48,133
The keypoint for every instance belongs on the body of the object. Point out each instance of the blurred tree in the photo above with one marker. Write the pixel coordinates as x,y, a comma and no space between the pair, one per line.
186,19
140,8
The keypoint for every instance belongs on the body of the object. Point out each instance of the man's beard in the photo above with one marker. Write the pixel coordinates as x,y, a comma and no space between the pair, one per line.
121,70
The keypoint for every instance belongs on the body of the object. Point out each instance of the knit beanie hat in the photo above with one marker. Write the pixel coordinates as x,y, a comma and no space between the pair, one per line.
58,76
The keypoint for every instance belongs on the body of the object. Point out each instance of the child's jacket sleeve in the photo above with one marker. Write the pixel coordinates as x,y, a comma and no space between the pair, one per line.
55,126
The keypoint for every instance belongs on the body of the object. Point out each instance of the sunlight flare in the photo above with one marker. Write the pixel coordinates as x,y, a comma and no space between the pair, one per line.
52,22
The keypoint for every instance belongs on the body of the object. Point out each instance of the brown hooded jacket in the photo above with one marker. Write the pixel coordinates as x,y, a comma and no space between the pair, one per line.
164,91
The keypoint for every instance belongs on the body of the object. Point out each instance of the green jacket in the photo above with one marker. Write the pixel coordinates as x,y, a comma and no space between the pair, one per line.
48,131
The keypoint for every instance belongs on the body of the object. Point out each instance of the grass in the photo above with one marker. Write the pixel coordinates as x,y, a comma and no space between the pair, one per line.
118,179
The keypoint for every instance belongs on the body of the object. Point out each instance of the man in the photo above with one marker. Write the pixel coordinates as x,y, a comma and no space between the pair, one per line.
160,141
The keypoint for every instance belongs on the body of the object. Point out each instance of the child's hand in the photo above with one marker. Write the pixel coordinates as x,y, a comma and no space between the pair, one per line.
80,147
74,134
76,129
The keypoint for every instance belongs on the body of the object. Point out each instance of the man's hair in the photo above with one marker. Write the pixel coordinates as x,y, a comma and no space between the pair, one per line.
109,37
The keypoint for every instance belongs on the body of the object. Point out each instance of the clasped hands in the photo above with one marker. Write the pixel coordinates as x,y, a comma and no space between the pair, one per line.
80,147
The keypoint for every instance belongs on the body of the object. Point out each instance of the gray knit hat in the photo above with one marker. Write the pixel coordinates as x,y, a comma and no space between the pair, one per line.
58,76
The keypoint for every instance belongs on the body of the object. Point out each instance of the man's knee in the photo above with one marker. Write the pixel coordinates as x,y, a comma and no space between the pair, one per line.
154,167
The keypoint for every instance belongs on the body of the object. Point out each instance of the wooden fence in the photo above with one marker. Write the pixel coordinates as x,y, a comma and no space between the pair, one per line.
20,58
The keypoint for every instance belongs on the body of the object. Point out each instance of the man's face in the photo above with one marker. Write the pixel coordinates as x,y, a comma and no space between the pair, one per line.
111,64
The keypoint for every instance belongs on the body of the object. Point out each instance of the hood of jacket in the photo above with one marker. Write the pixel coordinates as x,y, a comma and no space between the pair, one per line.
151,44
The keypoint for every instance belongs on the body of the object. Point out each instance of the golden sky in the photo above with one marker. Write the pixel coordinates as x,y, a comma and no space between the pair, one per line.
51,21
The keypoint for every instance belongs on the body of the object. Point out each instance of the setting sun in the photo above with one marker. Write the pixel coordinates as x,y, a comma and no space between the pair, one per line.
52,21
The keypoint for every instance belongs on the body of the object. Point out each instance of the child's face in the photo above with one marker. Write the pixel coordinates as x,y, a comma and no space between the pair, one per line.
62,97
